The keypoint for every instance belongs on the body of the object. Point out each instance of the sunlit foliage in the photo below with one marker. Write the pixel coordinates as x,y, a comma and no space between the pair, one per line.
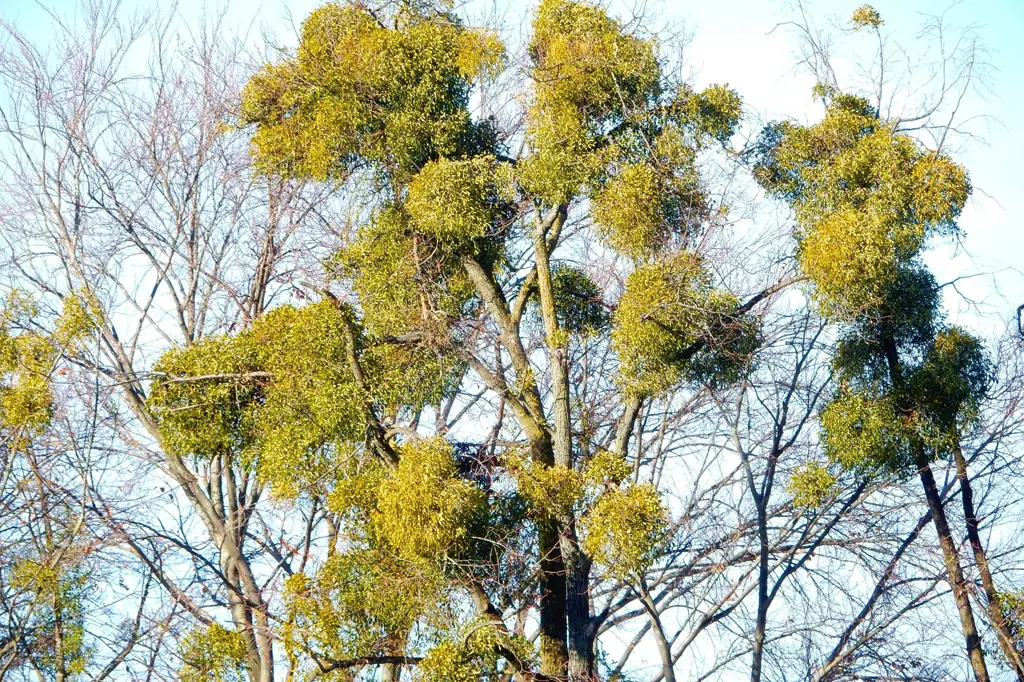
29,357
213,654
866,198
476,657
625,529
811,484
360,602
424,510
57,590
359,92
273,397
866,15
672,324
866,432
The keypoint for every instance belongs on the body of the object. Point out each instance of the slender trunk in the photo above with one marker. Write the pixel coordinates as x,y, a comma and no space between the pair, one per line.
761,623
668,669
60,664
1013,656
392,672
954,571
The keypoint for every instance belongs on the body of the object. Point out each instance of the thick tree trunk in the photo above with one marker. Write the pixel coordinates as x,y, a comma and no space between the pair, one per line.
577,601
554,655
577,567
1013,656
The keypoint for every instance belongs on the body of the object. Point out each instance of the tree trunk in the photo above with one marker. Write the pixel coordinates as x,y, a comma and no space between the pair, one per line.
668,669
554,655
1013,656
761,624
576,565
955,573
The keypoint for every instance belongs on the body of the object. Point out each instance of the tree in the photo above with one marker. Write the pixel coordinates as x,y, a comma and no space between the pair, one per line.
908,383
411,385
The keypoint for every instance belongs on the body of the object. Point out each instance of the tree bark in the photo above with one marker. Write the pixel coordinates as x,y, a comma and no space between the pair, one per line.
577,566
1013,656
955,573
668,669
951,558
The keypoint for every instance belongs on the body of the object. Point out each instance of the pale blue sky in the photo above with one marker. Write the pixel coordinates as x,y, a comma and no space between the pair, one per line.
734,42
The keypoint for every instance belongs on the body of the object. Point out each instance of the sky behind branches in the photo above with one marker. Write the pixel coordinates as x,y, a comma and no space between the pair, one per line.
749,45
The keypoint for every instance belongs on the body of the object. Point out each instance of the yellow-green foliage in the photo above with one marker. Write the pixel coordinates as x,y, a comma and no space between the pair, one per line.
449,662
481,54
213,654
631,211
80,316
811,484
359,91
587,72
424,509
553,491
405,280
276,395
475,658
407,376
59,596
866,15
713,113
625,529
550,490
866,432
458,201
354,493
1011,606
584,58
360,602
26,362
606,467
652,194
666,307
866,198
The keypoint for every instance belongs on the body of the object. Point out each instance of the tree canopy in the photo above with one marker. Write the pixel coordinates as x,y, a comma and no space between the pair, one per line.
416,354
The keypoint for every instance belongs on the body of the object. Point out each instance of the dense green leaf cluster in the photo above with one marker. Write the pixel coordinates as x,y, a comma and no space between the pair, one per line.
476,657
866,198
213,653
424,509
671,324
276,396
360,92
625,529
360,602
811,484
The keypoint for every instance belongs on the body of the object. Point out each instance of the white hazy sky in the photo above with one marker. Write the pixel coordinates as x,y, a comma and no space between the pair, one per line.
734,42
